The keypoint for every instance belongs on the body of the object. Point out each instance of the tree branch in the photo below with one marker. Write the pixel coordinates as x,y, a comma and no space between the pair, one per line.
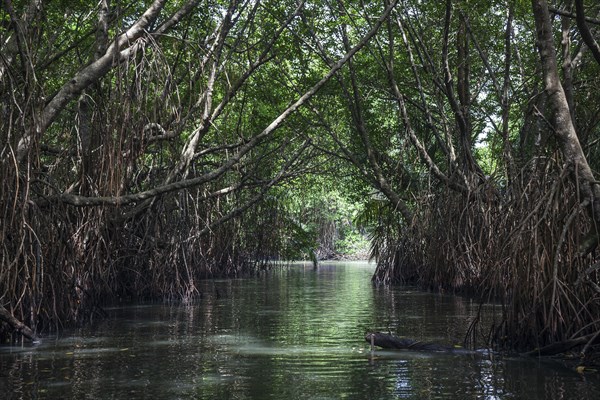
586,34
90,74
17,325
556,11
83,201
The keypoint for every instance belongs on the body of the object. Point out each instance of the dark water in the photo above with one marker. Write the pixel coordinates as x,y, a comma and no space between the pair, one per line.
290,334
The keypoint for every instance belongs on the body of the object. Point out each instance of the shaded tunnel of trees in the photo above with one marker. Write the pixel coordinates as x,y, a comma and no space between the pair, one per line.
147,145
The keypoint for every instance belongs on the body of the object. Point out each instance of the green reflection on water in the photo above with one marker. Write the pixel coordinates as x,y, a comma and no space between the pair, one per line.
291,334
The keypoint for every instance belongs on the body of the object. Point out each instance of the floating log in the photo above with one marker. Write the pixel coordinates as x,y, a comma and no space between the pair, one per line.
566,345
17,325
387,341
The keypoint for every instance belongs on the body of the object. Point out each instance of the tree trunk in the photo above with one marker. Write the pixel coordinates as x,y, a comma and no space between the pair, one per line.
561,115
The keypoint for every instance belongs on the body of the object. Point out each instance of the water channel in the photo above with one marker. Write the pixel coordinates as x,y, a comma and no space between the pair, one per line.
292,333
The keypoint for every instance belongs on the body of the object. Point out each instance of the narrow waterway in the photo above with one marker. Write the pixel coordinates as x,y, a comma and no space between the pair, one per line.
293,333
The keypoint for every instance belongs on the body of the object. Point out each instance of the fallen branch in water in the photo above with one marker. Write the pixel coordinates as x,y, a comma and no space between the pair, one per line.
566,345
17,325
387,341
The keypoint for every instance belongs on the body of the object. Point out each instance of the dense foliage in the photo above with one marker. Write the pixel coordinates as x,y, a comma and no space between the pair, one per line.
147,145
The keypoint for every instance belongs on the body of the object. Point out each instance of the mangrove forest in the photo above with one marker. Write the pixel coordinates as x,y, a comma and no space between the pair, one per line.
147,146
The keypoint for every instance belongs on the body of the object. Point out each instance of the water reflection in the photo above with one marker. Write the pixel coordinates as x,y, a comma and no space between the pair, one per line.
291,334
